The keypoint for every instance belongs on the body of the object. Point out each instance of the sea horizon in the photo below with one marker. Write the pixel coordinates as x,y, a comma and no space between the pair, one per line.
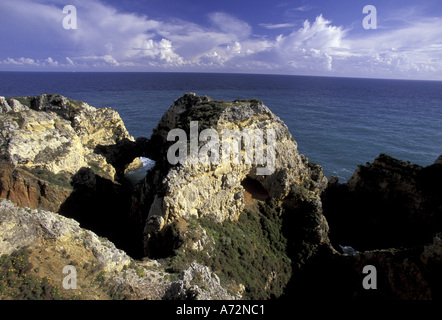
338,122
224,73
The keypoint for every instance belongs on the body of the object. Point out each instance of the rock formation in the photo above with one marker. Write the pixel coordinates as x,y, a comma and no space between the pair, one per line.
65,156
198,283
389,212
215,190
46,140
386,203
260,228
45,243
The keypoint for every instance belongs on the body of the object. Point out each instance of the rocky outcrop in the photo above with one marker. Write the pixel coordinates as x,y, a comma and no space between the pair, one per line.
56,134
388,215
65,156
214,189
23,227
54,242
198,283
386,203
103,272
272,226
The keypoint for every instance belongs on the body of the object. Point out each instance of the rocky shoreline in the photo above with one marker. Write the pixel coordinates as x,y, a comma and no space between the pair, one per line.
203,231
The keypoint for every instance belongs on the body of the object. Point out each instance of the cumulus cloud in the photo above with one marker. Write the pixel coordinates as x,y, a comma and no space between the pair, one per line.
159,52
22,61
310,47
414,50
107,38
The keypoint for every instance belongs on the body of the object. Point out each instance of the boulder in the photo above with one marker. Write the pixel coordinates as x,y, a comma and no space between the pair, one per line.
198,283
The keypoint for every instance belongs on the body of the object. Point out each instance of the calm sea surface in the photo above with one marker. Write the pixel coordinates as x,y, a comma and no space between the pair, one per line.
337,122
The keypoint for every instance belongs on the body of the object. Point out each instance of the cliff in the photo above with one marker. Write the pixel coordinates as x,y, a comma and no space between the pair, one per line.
36,246
46,141
389,212
65,156
216,189
262,222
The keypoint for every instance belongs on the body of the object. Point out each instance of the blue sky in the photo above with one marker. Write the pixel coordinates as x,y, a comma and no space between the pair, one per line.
322,37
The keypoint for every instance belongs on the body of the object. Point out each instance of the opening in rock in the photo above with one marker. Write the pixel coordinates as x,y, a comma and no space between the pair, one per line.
103,207
253,190
137,175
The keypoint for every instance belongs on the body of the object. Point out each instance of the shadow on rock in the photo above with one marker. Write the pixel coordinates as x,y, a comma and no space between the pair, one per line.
102,206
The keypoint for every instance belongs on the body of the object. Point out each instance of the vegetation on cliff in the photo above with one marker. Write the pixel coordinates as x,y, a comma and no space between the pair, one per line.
217,231
19,279
251,251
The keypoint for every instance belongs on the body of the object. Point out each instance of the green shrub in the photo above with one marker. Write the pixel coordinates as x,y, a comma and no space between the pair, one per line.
207,115
101,277
247,251
60,179
255,102
18,282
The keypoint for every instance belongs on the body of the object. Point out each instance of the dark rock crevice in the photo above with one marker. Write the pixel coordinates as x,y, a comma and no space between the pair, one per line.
390,213
102,206
386,204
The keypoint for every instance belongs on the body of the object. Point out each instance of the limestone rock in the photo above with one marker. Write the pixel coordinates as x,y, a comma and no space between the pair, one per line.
38,139
51,138
103,271
198,283
7,105
214,189
23,227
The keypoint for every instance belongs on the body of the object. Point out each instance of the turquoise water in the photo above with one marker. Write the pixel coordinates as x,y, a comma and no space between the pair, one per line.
337,122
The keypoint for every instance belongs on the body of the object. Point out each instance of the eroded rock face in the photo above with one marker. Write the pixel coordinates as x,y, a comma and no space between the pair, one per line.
102,271
23,227
215,190
46,140
63,155
386,203
389,213
25,189
198,283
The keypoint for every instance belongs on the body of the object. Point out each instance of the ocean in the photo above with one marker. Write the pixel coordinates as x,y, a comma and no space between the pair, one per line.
338,123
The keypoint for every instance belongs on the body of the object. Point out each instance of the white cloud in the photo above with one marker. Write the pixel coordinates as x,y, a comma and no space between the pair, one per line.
277,25
311,47
49,61
21,61
303,8
106,38
411,51
159,51
98,61
70,61
230,25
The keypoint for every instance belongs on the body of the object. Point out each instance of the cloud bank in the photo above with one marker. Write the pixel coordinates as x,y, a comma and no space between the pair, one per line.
107,39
